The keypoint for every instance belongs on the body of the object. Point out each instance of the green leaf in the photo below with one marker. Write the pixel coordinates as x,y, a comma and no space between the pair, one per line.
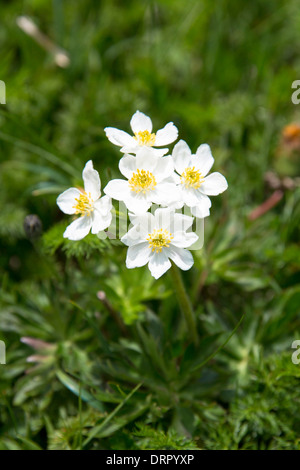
76,388
211,356
97,429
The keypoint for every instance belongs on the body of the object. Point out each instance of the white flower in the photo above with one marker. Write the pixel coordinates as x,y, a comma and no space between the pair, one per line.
194,184
157,239
150,179
141,126
95,212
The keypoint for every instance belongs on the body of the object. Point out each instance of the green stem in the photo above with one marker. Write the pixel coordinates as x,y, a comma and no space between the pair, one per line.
185,303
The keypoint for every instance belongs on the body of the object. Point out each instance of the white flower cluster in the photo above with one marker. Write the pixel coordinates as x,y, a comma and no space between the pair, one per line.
150,177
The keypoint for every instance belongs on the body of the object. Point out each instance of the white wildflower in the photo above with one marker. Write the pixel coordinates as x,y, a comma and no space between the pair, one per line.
141,126
149,180
95,211
157,239
194,183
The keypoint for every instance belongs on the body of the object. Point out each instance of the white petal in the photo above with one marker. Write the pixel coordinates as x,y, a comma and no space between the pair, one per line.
146,159
201,209
140,122
91,180
127,165
203,160
182,156
200,212
182,222
117,189
184,239
66,200
138,203
159,264
191,196
102,215
100,222
138,255
143,224
118,137
144,220
103,205
214,184
167,135
134,236
159,152
178,204
135,149
181,257
173,178
165,194
163,218
164,168
79,228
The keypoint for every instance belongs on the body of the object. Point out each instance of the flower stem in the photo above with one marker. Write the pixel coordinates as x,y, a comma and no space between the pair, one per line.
185,303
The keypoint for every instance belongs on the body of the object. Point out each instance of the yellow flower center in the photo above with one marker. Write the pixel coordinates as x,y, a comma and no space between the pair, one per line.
158,239
191,178
145,138
142,181
84,205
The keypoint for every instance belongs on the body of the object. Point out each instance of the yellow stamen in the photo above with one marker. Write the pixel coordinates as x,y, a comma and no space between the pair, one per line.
191,178
158,239
142,181
145,138
85,204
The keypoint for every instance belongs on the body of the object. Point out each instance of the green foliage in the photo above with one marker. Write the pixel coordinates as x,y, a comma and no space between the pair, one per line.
89,246
153,439
98,356
127,297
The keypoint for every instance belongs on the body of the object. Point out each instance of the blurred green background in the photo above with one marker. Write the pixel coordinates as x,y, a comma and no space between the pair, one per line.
115,370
